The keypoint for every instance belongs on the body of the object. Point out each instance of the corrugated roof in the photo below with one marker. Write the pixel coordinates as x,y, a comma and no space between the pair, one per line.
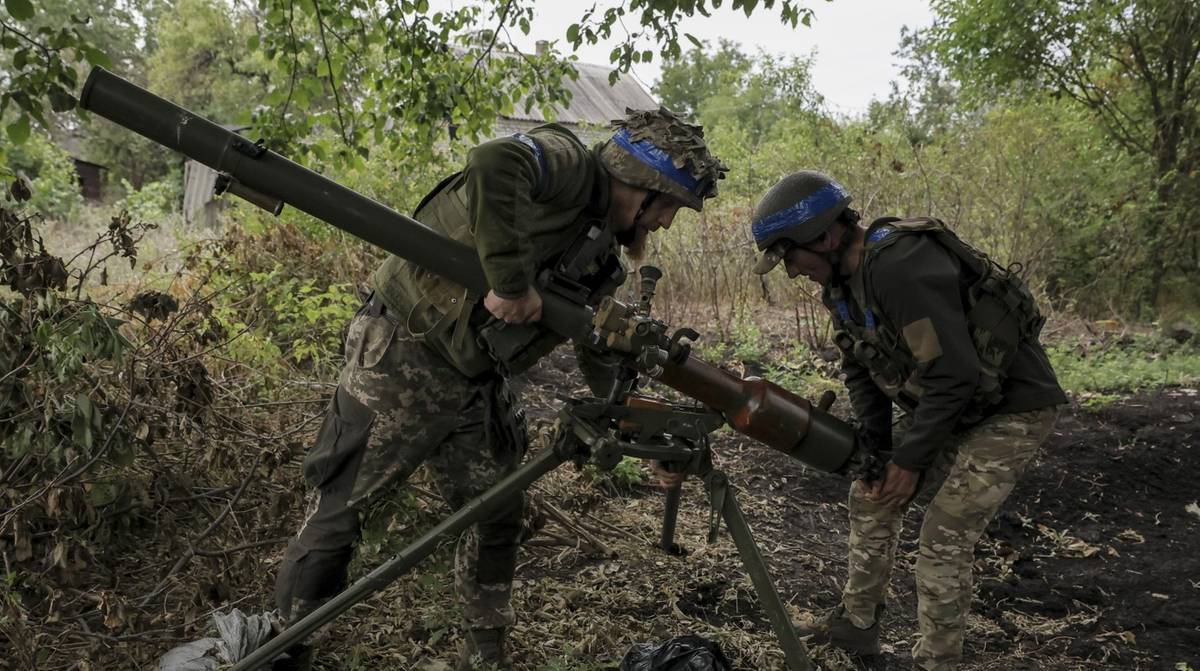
593,100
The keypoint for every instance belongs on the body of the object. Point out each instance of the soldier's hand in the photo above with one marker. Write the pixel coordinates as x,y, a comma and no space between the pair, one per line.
666,478
527,308
896,488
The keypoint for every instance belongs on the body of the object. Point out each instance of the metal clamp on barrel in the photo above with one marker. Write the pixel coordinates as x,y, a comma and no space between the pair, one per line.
226,183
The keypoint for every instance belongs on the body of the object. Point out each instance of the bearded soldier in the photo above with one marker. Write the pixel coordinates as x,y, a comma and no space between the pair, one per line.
930,325
425,378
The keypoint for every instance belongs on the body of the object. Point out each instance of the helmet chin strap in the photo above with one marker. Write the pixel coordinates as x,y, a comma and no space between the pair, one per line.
646,202
834,256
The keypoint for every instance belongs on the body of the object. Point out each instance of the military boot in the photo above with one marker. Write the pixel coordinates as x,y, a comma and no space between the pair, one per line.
483,650
298,657
837,630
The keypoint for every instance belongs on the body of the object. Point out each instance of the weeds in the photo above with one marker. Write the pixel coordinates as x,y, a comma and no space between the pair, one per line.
621,478
1095,371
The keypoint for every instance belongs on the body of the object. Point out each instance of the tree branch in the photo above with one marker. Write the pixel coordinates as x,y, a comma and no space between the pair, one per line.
337,99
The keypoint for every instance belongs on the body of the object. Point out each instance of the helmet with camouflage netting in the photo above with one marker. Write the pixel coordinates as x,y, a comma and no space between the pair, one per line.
658,151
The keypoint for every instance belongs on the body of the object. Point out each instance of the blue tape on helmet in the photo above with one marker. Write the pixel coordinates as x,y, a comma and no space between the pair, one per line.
817,202
647,152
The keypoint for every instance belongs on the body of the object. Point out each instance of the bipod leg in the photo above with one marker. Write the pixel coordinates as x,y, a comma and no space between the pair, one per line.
721,492
406,559
670,516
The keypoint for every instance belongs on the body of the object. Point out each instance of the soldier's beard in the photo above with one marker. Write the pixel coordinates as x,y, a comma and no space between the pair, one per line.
633,239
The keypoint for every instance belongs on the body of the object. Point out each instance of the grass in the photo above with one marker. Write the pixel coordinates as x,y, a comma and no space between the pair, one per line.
1098,374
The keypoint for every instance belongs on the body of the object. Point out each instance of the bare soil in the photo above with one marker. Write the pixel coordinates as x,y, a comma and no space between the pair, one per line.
1093,563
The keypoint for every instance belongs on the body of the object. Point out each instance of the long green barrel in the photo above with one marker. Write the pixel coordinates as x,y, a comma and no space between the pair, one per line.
274,176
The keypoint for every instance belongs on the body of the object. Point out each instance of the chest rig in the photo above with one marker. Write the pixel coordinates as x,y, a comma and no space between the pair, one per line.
999,308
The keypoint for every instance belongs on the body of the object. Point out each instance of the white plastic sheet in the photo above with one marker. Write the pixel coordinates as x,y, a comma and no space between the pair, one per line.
237,636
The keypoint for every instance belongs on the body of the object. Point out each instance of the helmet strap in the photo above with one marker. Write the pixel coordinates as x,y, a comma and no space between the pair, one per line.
651,196
834,256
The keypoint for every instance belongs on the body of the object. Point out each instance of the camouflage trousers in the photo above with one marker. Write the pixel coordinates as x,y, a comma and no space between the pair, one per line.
971,479
399,405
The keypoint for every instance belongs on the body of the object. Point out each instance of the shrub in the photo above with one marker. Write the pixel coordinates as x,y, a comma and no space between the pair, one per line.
51,171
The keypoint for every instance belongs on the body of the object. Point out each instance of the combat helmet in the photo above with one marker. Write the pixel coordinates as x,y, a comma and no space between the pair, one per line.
796,211
657,151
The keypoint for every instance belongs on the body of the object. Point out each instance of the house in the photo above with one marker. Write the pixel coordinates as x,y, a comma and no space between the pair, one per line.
200,204
594,103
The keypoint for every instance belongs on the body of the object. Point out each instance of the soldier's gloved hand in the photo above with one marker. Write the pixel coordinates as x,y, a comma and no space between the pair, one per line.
527,308
668,479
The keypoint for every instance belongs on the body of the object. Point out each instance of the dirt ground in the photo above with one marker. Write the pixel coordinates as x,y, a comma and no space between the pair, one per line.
1093,563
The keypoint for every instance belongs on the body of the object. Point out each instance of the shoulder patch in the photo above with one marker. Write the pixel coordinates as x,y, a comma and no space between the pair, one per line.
922,340
539,155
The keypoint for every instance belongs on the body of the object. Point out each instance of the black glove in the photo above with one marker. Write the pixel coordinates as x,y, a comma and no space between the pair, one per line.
871,454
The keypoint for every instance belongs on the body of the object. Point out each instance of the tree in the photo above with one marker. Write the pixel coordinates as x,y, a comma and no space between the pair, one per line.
381,72
748,104
1132,63
699,74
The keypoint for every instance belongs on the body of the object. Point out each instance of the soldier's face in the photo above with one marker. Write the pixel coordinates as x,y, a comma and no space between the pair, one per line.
636,213
800,261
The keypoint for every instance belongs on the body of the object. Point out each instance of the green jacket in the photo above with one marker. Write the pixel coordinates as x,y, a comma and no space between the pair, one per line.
519,202
907,300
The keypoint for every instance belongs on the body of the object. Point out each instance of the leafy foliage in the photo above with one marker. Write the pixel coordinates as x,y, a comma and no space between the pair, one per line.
40,74
51,175
1131,63
1124,364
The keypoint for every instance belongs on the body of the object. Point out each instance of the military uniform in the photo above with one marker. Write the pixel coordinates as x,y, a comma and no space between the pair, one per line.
907,340
420,386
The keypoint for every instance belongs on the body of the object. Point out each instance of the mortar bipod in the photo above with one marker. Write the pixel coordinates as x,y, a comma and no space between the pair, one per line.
678,438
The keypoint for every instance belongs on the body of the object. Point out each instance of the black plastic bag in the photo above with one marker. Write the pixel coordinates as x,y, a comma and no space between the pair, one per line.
682,653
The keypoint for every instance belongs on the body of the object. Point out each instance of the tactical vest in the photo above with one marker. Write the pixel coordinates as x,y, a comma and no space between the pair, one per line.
1000,312
454,322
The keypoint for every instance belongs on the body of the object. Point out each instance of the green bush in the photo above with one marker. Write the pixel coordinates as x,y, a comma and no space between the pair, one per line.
155,200
51,172
302,317
748,342
620,478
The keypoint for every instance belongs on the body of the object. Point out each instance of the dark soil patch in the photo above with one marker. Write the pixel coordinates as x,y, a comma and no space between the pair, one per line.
1093,562
1119,480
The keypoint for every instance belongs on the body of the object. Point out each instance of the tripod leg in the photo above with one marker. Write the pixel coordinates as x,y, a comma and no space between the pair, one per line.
387,572
670,515
794,652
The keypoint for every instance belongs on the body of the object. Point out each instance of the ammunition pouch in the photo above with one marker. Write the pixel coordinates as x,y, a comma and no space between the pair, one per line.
515,347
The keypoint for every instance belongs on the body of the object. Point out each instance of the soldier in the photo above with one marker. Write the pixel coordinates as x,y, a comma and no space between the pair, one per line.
426,362
927,324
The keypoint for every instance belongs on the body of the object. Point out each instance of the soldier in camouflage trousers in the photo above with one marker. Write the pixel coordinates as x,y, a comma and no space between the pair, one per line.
931,326
423,382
